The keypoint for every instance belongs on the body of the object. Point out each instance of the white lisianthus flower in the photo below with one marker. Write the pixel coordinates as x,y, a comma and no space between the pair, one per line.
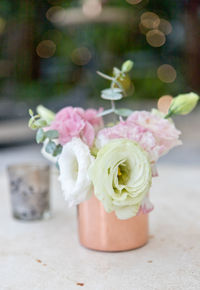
74,162
121,175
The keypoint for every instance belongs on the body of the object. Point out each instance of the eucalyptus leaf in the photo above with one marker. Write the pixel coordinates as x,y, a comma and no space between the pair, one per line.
57,150
112,94
40,136
123,112
52,134
50,147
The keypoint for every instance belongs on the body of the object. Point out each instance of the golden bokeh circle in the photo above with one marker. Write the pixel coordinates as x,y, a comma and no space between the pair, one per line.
81,56
166,73
155,38
164,103
92,8
165,26
150,20
55,14
46,48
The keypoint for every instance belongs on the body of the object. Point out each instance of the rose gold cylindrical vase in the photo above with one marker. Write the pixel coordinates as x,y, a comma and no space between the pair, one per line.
103,231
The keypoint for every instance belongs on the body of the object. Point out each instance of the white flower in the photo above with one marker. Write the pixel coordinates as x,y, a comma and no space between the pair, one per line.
121,175
74,162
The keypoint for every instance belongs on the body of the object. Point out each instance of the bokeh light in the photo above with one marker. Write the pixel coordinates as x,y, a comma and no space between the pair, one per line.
46,48
81,56
155,38
143,29
164,103
56,14
166,73
133,2
150,20
165,26
92,8
2,25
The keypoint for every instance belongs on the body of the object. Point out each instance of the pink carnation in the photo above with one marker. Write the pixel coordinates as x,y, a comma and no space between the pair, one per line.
91,117
75,122
163,130
133,132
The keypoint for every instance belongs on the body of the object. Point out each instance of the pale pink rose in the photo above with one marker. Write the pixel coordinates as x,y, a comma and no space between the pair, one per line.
163,130
133,132
75,122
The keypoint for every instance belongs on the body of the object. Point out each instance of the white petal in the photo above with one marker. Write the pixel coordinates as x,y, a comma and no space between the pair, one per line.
74,162
126,212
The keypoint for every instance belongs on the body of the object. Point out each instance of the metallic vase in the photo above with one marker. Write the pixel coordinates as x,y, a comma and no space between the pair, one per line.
29,189
103,231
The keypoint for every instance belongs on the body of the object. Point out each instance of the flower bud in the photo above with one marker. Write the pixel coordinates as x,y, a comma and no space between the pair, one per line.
183,104
45,114
127,66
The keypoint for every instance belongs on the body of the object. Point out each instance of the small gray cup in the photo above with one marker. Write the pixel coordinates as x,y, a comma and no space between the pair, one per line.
29,188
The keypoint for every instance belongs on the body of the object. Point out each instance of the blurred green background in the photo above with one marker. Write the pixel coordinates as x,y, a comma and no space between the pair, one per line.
50,50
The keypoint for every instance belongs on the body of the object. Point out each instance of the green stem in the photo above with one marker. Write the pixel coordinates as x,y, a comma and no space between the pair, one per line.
169,114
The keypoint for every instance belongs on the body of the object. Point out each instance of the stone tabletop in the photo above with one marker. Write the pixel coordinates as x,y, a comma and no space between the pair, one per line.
46,255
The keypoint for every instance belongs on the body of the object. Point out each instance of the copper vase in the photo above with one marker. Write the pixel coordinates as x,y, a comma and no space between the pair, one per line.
103,231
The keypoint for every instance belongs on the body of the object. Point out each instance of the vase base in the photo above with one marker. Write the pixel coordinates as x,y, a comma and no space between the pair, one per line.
112,251
101,231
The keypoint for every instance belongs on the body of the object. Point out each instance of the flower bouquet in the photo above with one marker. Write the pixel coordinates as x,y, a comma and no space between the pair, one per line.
107,170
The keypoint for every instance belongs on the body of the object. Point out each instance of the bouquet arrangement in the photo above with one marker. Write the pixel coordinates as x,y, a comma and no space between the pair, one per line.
116,162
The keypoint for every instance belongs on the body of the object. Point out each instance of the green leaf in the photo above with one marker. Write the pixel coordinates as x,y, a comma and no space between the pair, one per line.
31,123
123,112
58,150
40,136
50,147
40,123
52,134
30,112
112,94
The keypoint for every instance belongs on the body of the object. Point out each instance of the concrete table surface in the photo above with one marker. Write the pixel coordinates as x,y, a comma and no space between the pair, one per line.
47,255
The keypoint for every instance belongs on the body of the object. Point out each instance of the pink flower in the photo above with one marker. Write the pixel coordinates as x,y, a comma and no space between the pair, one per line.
91,117
75,122
146,206
163,130
133,132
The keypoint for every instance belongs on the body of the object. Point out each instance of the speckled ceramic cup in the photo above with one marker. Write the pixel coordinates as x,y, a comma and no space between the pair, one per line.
29,189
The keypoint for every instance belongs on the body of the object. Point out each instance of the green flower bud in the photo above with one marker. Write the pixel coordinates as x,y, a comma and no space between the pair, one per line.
127,66
183,104
45,114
